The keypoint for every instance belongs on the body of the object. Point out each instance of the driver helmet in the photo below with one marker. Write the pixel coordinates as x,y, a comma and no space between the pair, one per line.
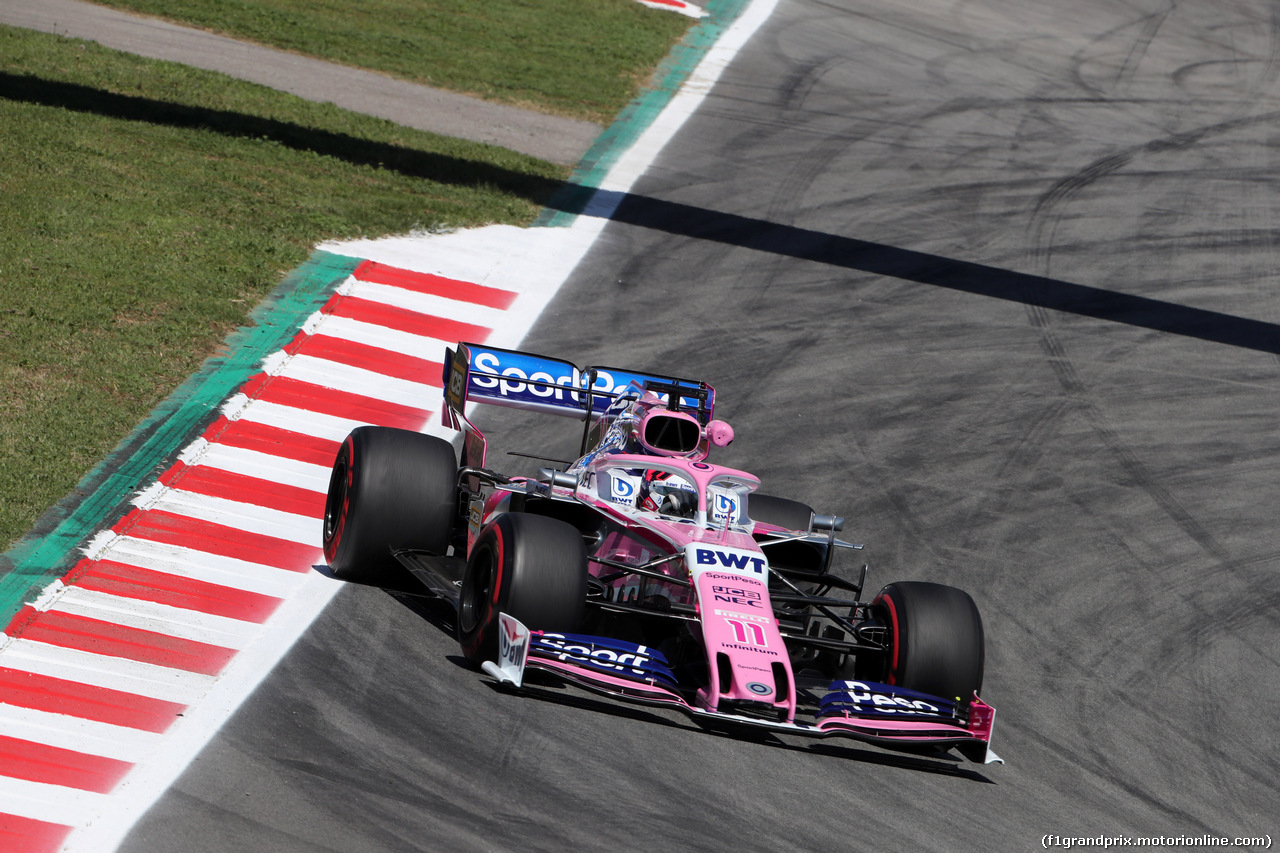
662,493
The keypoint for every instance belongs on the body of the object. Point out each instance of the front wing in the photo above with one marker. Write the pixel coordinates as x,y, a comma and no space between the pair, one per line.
867,711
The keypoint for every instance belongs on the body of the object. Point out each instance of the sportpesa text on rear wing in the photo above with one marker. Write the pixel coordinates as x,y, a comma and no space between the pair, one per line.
482,374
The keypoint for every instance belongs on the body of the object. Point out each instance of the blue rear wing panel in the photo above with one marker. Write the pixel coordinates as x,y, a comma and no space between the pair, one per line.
521,380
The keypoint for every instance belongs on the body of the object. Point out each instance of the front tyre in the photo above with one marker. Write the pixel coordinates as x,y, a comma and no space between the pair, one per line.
531,567
390,489
936,643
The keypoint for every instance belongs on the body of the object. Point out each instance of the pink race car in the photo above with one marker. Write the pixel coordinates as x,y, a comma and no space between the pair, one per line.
645,572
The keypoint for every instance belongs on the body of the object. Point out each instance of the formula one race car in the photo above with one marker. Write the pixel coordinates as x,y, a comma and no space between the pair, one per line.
645,572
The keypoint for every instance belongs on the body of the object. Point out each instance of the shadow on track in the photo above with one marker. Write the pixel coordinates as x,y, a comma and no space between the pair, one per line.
351,149
674,218
684,220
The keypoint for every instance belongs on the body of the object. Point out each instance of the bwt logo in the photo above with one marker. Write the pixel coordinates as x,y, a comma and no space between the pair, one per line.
621,489
725,507
737,562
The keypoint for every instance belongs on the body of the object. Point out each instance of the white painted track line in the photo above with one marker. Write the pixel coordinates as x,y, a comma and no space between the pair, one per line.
142,679
366,383
49,803
210,568
157,618
264,466
105,822
88,736
242,516
369,334
530,263
427,303
288,418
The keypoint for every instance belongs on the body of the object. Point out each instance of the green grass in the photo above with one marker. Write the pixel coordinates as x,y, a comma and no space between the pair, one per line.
148,207
580,58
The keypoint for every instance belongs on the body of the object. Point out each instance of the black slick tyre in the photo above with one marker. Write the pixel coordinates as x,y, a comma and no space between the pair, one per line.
390,489
936,643
531,567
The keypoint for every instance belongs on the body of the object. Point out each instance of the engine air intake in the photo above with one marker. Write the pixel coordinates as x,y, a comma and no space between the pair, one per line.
670,433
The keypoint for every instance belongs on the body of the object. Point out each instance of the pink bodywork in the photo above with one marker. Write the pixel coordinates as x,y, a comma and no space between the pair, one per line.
747,659
739,632
734,610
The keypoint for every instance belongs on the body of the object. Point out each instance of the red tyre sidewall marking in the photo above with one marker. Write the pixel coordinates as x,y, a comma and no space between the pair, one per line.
497,581
491,614
331,545
893,619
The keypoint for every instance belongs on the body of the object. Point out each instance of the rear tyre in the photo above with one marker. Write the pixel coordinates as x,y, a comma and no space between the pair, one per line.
390,489
782,512
531,567
935,637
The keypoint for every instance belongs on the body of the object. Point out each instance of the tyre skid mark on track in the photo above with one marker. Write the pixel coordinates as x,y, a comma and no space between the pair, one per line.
96,673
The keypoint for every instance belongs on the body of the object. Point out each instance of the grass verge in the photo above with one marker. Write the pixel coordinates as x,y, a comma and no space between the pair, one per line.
149,207
568,57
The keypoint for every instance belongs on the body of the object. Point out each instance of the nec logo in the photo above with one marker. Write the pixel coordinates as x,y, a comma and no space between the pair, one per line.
735,562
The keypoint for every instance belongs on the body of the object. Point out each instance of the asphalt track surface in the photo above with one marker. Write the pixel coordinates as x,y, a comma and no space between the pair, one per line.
997,282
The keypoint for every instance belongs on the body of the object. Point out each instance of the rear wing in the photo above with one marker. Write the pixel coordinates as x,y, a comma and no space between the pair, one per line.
521,380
